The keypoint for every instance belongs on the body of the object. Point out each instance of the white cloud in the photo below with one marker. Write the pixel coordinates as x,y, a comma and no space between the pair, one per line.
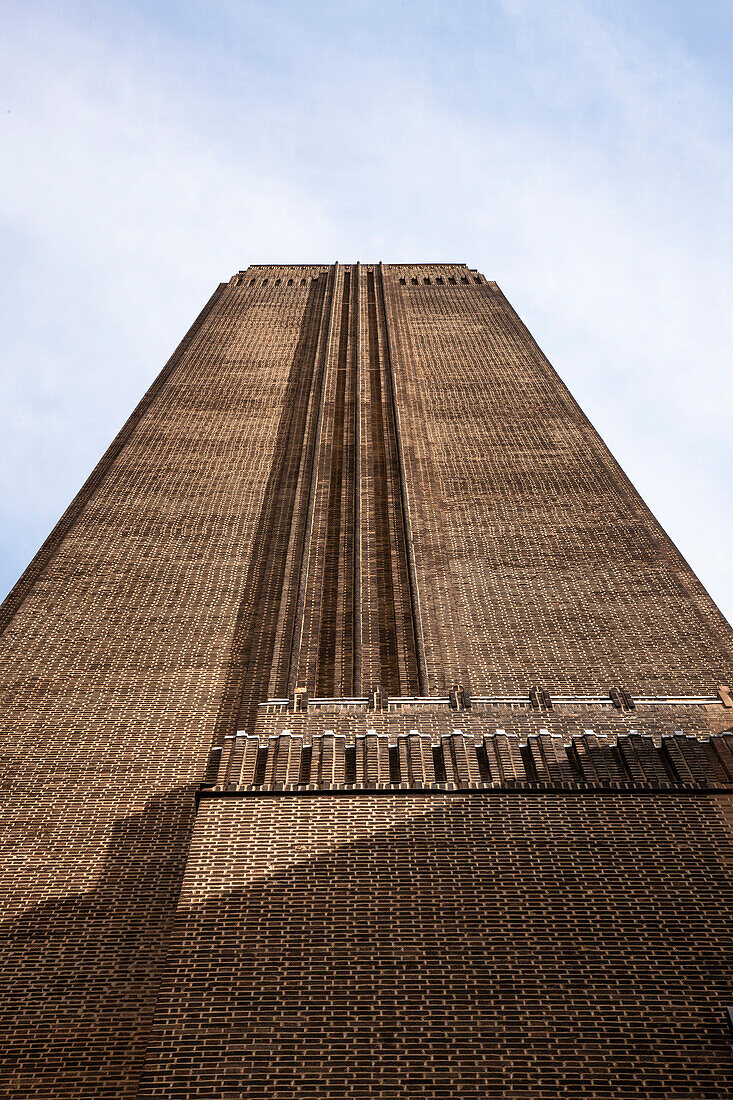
570,153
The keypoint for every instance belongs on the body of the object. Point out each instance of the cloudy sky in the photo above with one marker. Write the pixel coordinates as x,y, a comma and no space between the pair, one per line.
579,152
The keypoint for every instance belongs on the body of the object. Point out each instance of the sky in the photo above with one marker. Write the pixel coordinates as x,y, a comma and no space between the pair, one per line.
579,152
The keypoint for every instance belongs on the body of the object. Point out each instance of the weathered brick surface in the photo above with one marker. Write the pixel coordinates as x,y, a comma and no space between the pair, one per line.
506,945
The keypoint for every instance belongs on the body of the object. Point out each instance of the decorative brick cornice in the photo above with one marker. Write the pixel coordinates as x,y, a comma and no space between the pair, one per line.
328,762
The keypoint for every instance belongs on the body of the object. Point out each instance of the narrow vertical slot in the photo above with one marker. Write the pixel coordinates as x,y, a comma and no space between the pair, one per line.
574,761
395,774
439,764
529,766
621,762
483,764
260,767
305,766
350,762
669,765
212,765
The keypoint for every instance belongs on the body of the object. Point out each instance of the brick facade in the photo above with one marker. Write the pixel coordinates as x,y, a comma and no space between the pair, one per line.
356,531
504,946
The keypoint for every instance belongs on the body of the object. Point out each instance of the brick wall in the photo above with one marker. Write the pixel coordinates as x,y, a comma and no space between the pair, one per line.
436,946
536,559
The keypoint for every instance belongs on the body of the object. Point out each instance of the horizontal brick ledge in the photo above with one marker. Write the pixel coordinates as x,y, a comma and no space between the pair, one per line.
205,793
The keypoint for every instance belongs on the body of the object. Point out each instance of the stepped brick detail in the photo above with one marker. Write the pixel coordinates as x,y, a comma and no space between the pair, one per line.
324,760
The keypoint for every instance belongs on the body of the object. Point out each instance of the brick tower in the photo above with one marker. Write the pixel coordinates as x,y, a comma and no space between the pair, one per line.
365,735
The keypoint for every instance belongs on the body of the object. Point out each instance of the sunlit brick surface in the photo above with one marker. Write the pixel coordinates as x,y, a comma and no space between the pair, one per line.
536,559
459,947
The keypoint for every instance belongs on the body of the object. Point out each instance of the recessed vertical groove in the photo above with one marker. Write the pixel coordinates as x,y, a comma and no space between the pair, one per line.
291,602
301,609
350,503
383,565
403,602
335,613
414,593
288,598
343,675
369,661
356,687
321,530
265,589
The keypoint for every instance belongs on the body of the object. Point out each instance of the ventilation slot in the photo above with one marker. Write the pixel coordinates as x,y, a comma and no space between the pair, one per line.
395,775
674,770
305,766
530,769
350,764
483,763
618,756
439,764
260,767
574,761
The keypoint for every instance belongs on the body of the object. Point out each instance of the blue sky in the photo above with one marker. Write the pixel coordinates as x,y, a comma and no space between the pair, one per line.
578,152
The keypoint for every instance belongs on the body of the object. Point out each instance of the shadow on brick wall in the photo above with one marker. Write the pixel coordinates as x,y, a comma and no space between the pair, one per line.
503,946
79,973
490,947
